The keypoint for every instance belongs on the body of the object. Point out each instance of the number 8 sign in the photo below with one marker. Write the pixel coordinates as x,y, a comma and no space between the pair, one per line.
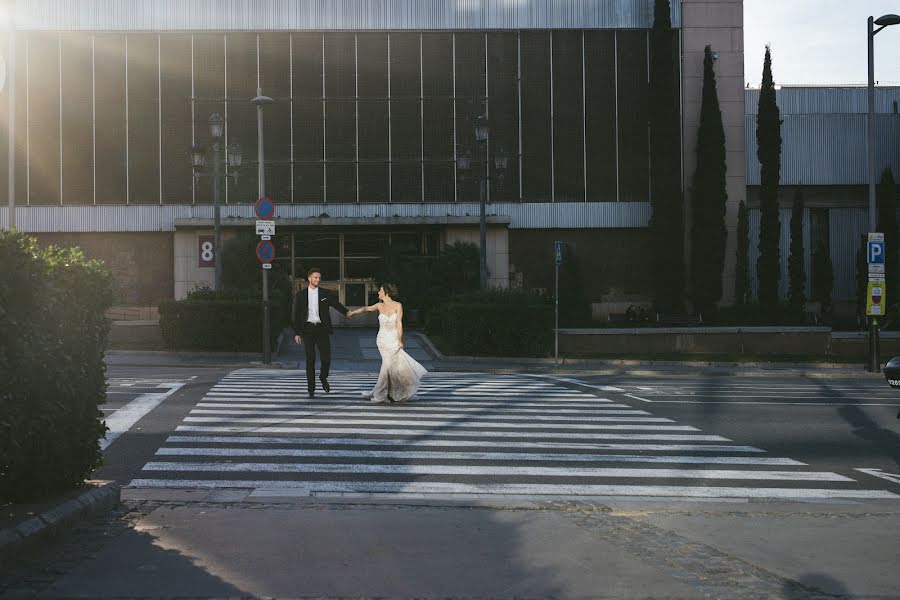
207,251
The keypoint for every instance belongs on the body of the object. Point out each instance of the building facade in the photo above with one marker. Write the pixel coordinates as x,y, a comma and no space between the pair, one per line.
374,107
824,157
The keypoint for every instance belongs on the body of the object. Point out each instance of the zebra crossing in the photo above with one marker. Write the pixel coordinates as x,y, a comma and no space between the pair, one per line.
465,434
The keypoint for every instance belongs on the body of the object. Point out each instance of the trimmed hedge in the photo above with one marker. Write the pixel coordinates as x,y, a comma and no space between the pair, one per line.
495,323
53,332
228,321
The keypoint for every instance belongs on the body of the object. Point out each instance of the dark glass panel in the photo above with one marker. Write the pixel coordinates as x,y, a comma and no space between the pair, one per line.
373,130
373,182
340,183
536,173
241,66
209,90
175,63
308,182
330,268
242,129
363,268
406,182
405,68
109,68
365,244
308,130
633,143
437,64
340,130
44,107
143,118
77,119
439,182
600,110
568,131
406,243
316,245
275,65
340,65
307,65
503,104
355,294
406,136
470,65
438,129
372,65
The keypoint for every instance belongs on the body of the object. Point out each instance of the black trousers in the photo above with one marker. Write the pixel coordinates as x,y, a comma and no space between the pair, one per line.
316,336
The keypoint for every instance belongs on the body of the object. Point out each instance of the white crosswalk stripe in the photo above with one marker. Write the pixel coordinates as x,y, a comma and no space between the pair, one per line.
465,434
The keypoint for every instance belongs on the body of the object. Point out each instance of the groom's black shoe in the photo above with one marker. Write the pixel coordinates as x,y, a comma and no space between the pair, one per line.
312,393
325,386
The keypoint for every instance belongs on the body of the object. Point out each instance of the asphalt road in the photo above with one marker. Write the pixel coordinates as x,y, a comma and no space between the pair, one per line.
236,484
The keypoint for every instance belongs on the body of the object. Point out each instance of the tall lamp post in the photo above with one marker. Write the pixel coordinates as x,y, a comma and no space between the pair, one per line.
11,97
882,22
200,159
465,164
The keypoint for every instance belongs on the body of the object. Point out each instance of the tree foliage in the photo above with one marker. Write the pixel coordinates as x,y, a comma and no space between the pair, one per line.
666,197
796,268
742,257
708,234
768,151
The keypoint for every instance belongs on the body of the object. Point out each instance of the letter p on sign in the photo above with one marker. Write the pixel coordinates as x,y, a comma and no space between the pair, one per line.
875,253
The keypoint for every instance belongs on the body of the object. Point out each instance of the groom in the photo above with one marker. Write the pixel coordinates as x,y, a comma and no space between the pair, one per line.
312,323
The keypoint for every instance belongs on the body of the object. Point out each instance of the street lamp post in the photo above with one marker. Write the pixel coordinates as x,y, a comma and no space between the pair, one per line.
200,159
479,164
882,22
261,101
11,123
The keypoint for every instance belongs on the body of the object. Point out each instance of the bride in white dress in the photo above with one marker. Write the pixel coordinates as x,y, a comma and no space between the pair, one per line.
400,374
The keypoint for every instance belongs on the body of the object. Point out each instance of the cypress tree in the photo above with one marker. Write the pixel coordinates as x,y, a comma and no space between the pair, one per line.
887,224
742,258
708,232
796,270
822,277
666,197
768,151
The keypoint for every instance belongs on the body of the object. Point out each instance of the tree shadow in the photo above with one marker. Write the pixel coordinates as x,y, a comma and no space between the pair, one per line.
814,586
864,427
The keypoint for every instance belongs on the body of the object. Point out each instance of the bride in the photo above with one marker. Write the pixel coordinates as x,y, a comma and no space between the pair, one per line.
400,374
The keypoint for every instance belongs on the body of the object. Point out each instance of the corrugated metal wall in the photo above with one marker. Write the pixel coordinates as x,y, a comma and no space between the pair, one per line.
846,225
824,134
562,215
827,149
261,15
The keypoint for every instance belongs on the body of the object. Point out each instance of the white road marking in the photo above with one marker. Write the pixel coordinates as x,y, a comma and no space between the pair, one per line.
892,477
564,471
460,417
477,455
638,398
323,487
418,442
123,419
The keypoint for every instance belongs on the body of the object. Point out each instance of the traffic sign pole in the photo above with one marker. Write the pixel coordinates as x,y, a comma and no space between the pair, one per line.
876,293
557,256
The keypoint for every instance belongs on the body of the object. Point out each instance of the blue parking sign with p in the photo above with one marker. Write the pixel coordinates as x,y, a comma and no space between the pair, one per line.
875,254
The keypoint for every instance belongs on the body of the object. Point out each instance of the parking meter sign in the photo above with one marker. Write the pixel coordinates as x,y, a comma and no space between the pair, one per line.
875,298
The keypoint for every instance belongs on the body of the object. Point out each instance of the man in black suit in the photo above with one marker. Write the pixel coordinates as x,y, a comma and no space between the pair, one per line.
312,325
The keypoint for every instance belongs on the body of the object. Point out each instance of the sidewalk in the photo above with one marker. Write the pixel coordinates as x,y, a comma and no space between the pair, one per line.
354,348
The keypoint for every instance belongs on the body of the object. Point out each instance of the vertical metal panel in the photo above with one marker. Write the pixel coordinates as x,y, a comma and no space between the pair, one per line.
223,15
826,100
846,226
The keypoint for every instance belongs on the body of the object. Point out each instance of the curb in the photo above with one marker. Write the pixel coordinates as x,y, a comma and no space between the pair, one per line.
99,499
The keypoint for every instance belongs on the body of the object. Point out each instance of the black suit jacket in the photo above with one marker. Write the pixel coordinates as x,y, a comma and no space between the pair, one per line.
327,299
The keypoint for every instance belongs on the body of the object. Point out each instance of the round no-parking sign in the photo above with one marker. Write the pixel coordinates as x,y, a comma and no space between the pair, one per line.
265,251
265,209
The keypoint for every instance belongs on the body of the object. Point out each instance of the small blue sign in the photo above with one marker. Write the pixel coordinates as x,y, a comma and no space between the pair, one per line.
265,252
557,252
875,253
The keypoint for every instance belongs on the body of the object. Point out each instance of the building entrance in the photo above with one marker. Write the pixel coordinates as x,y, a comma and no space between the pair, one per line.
352,263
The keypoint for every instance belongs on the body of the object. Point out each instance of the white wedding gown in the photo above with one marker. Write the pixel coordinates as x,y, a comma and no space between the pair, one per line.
400,374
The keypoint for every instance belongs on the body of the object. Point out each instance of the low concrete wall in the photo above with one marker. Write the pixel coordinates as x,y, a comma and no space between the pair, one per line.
812,341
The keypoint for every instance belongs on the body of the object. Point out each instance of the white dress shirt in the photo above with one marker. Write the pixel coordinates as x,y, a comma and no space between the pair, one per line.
312,314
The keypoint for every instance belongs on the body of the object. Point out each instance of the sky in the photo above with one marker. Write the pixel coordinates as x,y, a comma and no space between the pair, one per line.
819,41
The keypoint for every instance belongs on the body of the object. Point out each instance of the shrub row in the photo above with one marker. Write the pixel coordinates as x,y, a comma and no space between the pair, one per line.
495,323
53,332
220,321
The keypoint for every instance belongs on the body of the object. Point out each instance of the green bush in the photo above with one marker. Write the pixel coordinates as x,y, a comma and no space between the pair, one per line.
53,332
227,321
495,323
